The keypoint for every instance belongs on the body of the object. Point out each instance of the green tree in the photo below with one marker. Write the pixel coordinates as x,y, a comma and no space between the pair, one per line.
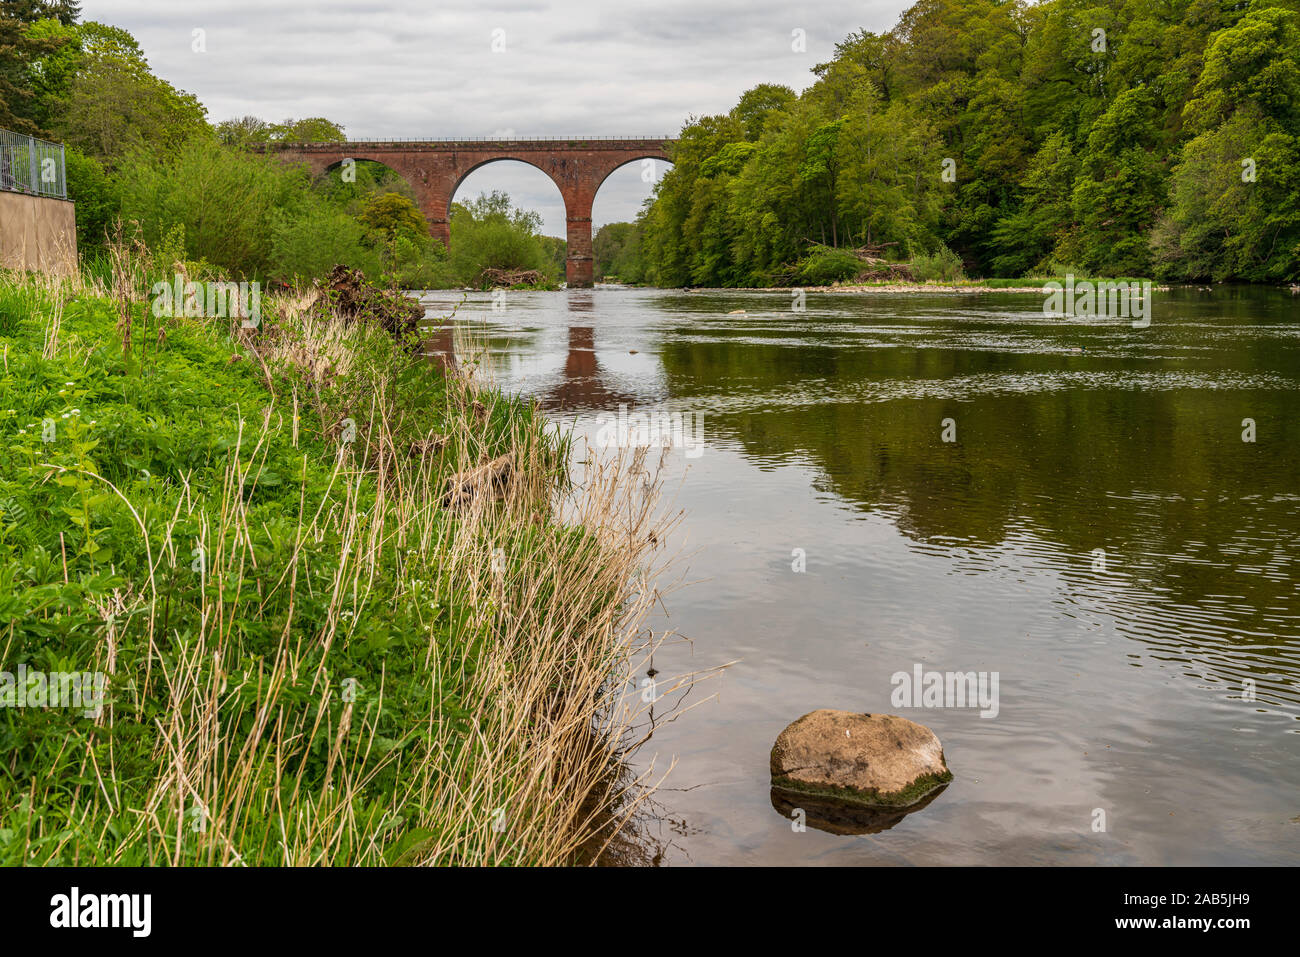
20,48
394,214
490,232
65,12
1119,191
860,57
1235,191
313,129
243,132
757,104
1099,135
1026,236
888,191
1252,65
115,106
819,173
96,195
677,251
617,251
229,205
1235,210
51,75
254,131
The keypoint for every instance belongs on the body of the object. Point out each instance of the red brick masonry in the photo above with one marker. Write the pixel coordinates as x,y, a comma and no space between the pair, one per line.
435,168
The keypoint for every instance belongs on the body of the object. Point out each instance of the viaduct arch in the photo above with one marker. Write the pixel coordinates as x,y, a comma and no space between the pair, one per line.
434,168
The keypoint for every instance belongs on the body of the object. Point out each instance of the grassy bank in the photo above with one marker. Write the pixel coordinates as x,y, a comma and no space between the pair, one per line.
319,648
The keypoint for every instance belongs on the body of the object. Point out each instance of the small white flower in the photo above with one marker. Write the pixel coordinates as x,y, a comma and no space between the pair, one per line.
76,412
67,383
65,415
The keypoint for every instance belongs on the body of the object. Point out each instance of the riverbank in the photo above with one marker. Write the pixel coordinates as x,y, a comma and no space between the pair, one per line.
305,626
962,286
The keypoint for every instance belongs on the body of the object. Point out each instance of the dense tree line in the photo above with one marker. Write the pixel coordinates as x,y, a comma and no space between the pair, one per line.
143,153
1120,137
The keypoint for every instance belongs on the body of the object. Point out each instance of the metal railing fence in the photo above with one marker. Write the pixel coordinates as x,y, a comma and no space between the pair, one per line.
32,165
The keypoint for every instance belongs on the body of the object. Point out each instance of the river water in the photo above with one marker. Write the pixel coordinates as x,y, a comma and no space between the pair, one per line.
959,483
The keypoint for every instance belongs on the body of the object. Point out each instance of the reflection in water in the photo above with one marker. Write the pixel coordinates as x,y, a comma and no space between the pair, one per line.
836,817
1142,495
1098,532
440,344
581,300
582,386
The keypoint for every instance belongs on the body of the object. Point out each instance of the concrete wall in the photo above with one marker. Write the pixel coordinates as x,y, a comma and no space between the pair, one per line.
37,233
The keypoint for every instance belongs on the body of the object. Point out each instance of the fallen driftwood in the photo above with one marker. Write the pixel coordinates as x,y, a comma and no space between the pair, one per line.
354,299
878,270
491,479
491,278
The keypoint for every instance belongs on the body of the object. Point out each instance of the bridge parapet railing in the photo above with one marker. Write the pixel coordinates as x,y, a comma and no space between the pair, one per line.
32,165
477,139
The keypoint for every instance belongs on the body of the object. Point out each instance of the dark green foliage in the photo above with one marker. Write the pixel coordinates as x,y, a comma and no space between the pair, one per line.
21,109
97,196
1028,139
617,250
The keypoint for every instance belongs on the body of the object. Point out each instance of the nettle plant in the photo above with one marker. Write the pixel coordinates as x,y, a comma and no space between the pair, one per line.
312,656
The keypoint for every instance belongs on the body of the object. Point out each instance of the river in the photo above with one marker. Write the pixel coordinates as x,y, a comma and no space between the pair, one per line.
1069,504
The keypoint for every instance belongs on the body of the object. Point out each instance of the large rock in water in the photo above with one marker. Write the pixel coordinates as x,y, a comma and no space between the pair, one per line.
869,760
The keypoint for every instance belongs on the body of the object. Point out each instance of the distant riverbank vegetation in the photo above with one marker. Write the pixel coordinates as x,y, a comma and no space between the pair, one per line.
143,151
984,138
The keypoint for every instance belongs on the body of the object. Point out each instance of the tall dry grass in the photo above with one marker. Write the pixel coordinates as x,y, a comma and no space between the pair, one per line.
552,574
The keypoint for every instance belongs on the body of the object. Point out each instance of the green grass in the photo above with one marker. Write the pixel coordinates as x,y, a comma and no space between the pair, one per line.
310,660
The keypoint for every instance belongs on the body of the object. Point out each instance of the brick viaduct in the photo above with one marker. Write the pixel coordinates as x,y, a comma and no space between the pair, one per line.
435,168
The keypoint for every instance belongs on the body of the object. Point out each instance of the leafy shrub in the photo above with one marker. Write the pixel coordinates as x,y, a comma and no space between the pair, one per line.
97,197
826,264
226,200
393,214
310,241
942,265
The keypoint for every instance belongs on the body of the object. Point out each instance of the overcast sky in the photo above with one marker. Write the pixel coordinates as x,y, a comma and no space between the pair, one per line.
429,70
